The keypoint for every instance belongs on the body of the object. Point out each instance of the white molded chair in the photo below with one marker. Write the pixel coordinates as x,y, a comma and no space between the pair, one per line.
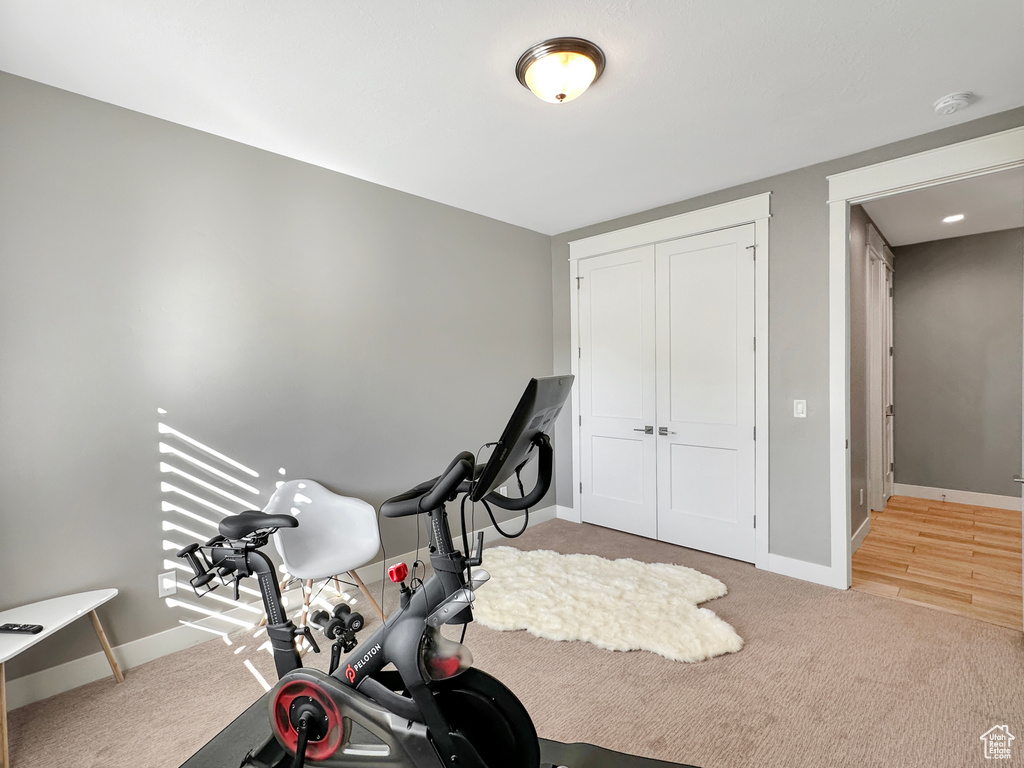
336,534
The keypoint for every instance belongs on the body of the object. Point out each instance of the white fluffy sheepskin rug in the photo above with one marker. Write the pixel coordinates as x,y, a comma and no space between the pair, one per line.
621,605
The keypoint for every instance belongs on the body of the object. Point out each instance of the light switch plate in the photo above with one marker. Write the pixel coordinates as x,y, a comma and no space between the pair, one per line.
800,409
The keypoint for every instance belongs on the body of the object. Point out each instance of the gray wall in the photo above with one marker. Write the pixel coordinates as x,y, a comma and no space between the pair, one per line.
284,314
957,307
798,333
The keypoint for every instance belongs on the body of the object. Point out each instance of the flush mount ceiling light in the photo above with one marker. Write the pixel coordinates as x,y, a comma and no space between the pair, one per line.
953,219
560,69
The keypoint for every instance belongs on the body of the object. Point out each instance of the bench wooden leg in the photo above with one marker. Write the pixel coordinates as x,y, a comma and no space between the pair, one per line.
3,719
106,647
359,582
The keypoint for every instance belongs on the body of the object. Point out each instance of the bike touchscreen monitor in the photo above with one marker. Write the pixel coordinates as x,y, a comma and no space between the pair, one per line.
536,413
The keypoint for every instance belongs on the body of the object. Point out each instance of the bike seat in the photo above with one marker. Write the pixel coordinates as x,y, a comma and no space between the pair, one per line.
244,523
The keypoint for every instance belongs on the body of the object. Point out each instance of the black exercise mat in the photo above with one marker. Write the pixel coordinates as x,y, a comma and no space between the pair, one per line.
251,729
589,756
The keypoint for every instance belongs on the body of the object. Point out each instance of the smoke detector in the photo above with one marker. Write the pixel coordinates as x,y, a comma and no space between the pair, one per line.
954,102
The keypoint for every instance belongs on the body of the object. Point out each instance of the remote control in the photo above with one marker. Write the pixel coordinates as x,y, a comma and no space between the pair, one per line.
30,629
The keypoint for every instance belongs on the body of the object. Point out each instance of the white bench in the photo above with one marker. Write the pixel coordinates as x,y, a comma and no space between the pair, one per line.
52,615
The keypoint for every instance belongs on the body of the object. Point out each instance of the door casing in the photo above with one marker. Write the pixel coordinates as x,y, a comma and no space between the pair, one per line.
975,157
751,210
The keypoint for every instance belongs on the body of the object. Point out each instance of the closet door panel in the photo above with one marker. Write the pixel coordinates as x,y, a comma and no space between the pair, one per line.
617,397
705,385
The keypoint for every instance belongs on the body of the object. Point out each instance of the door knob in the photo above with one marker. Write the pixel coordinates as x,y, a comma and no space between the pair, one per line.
663,431
646,430
1018,479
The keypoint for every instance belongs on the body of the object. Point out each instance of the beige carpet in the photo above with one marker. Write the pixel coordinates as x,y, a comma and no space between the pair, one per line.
825,678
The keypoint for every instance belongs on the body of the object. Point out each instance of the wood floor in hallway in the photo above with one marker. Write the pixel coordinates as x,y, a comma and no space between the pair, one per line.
954,557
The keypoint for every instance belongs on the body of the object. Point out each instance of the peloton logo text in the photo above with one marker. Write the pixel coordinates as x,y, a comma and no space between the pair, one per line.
350,671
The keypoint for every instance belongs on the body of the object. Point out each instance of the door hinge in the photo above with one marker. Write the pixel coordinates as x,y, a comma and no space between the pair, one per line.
579,352
753,251
892,466
755,521
581,486
890,351
578,283
581,420
755,433
890,290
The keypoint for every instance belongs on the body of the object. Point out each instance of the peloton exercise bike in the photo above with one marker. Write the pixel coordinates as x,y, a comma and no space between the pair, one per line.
433,709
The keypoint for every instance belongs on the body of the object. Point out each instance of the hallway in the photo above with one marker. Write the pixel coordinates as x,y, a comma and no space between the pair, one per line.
954,557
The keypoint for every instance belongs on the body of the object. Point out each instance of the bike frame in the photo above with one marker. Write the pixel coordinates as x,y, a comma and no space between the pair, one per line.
398,641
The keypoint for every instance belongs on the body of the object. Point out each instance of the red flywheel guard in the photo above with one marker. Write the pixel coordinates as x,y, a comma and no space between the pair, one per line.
289,737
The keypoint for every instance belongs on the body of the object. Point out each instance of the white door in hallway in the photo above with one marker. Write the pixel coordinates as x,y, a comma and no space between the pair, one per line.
879,354
888,445
617,398
705,384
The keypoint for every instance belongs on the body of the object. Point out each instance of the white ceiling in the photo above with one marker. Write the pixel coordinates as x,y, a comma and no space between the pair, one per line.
421,95
989,203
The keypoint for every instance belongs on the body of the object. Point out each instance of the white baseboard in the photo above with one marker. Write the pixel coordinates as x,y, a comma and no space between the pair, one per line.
800,569
568,513
49,682
958,497
859,536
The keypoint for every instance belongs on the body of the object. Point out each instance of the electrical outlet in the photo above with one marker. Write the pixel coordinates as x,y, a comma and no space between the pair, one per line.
166,584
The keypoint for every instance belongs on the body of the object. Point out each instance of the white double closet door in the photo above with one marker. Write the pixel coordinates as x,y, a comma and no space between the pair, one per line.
667,391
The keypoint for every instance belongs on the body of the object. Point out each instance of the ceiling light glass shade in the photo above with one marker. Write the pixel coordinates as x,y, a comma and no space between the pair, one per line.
560,69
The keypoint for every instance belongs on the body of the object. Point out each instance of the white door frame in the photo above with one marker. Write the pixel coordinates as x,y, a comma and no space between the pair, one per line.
754,210
977,157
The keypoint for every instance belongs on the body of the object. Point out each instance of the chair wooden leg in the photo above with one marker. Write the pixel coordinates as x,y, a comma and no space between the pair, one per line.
359,582
106,647
3,719
337,585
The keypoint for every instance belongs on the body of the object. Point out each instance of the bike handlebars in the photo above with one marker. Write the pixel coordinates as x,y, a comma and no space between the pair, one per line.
460,469
433,493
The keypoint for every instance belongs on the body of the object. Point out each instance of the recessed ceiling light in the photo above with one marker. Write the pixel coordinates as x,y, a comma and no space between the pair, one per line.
953,219
560,69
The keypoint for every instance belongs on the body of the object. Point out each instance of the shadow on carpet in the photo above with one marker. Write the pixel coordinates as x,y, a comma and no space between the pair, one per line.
251,729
